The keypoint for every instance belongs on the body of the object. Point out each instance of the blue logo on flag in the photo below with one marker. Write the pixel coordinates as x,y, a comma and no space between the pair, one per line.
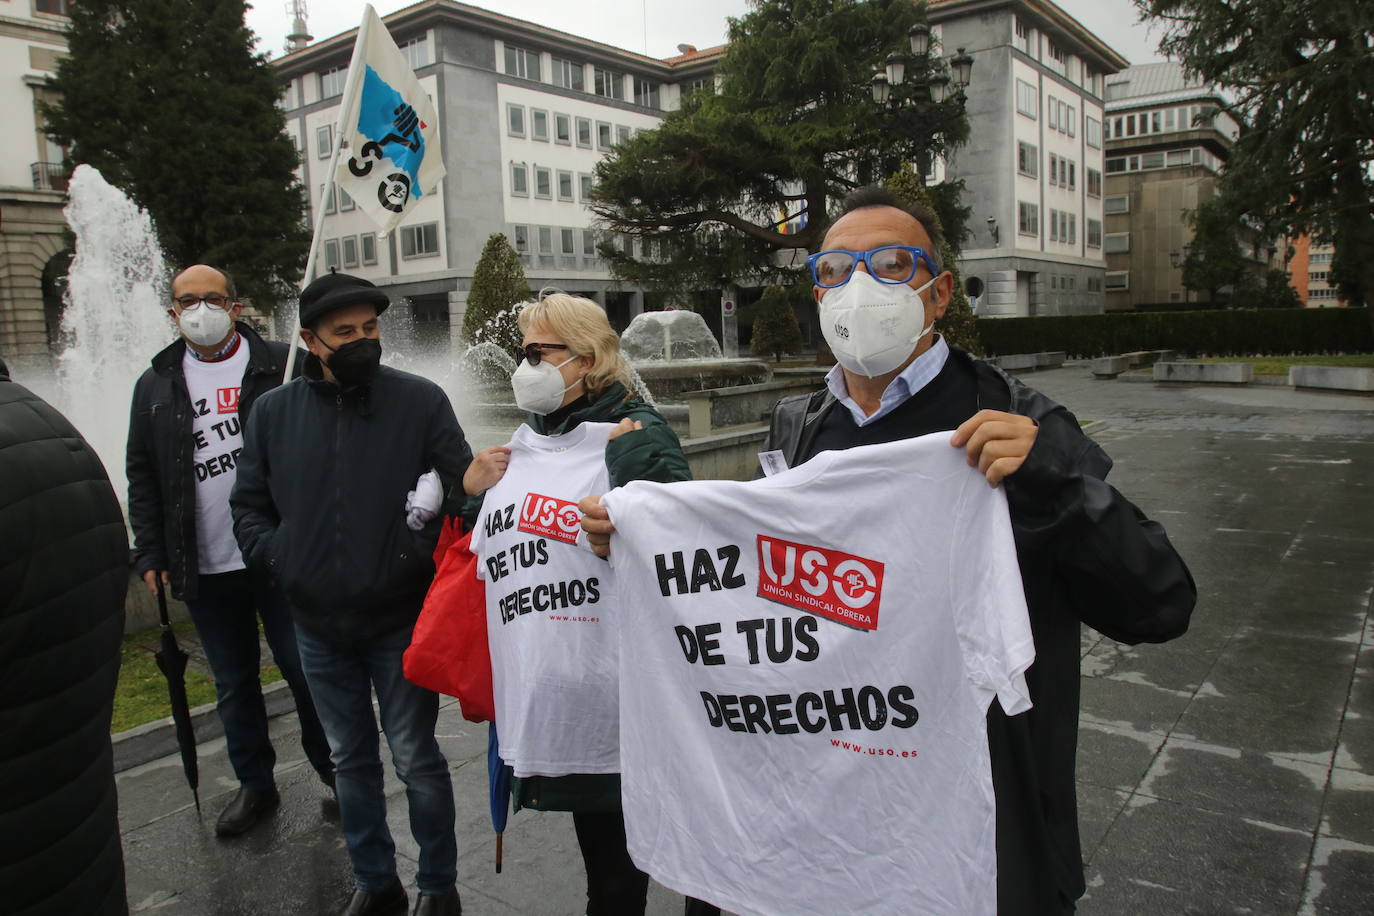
392,129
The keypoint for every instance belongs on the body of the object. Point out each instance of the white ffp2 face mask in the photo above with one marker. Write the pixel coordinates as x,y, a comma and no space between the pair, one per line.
204,324
539,388
872,327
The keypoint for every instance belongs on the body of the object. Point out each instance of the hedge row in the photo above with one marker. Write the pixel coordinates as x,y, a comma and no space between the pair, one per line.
1233,332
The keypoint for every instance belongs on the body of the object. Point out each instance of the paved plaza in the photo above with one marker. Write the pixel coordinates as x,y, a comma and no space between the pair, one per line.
1230,771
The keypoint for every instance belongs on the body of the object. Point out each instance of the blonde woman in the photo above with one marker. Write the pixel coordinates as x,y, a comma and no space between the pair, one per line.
555,668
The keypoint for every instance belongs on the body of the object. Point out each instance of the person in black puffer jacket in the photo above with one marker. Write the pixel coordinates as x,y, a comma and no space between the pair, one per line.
64,570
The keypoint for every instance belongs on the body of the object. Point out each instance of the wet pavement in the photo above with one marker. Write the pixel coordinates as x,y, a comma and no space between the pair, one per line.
1230,771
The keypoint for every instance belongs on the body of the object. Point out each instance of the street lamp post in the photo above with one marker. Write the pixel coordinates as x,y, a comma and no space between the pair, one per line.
893,86
1181,261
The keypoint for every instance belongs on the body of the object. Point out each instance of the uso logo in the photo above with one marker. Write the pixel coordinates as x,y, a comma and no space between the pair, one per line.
227,400
829,583
550,517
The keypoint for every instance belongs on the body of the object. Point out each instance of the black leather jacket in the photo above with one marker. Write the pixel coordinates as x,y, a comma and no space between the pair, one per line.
159,459
1087,555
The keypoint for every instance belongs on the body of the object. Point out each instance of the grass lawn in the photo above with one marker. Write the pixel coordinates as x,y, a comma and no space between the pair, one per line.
1279,365
141,695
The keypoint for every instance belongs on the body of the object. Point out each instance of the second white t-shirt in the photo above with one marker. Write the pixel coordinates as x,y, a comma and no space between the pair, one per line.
806,664
554,655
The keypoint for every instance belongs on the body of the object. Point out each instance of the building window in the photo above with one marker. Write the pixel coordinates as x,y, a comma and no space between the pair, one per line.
1069,121
519,179
1024,34
545,246
1055,58
1028,219
1117,203
562,129
1027,159
1072,173
622,133
332,82
1178,157
369,241
565,185
1116,164
1152,161
1027,100
585,186
420,241
350,251
327,198
700,84
346,202
331,254
1117,280
567,73
588,243
543,181
1052,112
584,133
603,135
565,237
515,120
646,93
1116,242
539,124
1094,233
324,141
1094,183
416,52
53,7
522,63
608,83
522,240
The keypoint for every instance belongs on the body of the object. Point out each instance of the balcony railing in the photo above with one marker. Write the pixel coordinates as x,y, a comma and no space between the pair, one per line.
49,176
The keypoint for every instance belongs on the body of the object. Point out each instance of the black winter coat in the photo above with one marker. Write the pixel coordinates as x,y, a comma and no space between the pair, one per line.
160,456
64,569
319,501
1087,555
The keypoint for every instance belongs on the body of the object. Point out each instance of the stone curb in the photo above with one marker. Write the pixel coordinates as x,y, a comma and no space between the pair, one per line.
154,740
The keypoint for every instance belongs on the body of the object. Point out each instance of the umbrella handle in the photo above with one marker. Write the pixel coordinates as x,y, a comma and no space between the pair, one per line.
499,837
161,601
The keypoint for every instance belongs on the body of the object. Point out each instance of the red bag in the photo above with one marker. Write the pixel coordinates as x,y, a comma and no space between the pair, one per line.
448,651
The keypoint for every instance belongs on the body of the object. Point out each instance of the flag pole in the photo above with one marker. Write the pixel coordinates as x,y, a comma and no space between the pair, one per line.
346,116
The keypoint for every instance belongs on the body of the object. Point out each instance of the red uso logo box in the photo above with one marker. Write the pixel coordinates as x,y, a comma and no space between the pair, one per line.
829,583
550,517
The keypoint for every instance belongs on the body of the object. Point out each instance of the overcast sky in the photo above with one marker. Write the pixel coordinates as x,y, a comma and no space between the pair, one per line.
655,27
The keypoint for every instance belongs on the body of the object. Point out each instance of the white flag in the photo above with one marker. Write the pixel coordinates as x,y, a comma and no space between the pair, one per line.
393,138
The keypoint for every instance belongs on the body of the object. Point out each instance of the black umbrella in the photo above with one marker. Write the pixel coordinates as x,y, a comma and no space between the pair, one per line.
172,661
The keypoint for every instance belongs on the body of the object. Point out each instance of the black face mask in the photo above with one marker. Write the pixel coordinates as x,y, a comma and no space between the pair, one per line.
356,362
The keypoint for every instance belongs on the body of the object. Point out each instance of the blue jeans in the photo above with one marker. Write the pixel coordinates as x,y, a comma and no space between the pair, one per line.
225,612
342,677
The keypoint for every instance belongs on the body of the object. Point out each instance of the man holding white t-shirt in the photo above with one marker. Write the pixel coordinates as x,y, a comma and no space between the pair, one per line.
185,436
1086,554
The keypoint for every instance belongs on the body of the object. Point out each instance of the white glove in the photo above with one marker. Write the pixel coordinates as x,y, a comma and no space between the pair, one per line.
423,502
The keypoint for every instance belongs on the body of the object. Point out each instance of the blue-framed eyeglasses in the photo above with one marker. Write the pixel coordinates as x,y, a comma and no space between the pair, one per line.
889,264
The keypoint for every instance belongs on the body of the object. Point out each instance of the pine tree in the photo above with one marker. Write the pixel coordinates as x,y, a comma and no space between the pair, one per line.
167,99
958,326
792,128
1302,77
498,284
775,331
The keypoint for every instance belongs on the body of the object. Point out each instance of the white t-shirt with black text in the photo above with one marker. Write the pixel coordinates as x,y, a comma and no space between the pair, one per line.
218,438
806,664
554,657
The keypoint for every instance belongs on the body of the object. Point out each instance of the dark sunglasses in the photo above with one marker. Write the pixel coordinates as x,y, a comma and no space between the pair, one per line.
531,352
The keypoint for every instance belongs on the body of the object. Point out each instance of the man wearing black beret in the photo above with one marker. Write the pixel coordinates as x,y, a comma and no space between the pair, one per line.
321,505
